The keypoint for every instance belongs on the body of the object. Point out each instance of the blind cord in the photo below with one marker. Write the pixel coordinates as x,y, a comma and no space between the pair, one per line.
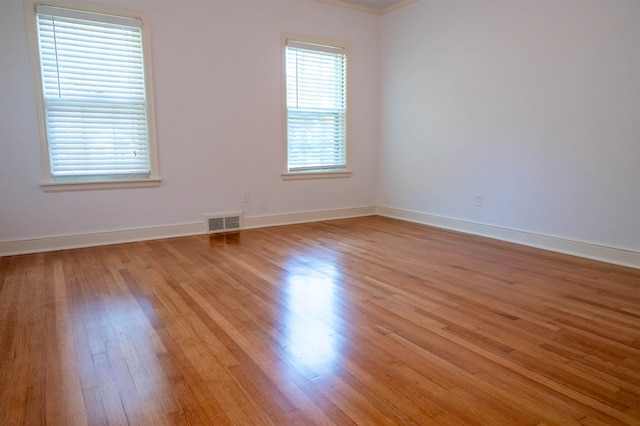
55,45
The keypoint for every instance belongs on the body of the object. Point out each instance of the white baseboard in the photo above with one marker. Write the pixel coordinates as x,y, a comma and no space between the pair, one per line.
613,255
293,218
64,242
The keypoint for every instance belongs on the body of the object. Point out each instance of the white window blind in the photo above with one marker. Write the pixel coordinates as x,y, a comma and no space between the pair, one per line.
316,107
94,95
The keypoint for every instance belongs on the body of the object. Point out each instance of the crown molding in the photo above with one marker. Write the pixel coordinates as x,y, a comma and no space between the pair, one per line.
367,9
396,6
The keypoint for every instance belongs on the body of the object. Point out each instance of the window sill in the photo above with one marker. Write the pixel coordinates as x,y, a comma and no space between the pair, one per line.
316,175
93,185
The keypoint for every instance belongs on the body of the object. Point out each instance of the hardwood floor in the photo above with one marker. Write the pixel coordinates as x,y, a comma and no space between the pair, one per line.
365,321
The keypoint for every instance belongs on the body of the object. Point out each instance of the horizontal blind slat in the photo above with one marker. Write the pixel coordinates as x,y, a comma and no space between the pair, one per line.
45,10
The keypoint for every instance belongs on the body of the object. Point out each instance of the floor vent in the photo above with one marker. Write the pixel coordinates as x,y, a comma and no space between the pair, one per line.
223,222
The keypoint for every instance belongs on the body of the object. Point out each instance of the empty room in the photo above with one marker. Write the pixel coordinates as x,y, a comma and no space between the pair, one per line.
280,212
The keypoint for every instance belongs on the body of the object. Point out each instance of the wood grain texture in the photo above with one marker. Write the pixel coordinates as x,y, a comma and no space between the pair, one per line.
357,321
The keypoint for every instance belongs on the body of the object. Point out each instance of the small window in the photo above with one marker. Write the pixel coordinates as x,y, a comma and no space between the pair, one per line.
95,97
316,104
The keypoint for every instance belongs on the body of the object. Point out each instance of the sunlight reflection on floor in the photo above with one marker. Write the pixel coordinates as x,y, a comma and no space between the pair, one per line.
313,319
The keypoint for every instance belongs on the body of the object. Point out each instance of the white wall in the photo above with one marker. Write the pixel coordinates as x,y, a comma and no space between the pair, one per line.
218,74
533,103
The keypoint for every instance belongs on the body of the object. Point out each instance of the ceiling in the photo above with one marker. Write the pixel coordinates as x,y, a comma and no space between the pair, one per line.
373,6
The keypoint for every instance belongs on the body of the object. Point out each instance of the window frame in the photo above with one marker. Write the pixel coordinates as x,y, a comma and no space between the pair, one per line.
342,172
48,183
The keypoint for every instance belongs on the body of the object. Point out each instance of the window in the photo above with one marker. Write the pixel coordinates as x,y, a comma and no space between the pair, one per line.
95,105
316,105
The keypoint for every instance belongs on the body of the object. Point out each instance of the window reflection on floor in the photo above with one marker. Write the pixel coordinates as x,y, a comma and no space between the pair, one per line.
313,321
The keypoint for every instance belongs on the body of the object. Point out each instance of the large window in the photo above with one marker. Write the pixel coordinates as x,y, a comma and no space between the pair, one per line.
95,104
316,104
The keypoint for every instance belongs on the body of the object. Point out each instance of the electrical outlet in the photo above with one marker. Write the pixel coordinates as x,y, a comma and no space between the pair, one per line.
245,196
479,200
